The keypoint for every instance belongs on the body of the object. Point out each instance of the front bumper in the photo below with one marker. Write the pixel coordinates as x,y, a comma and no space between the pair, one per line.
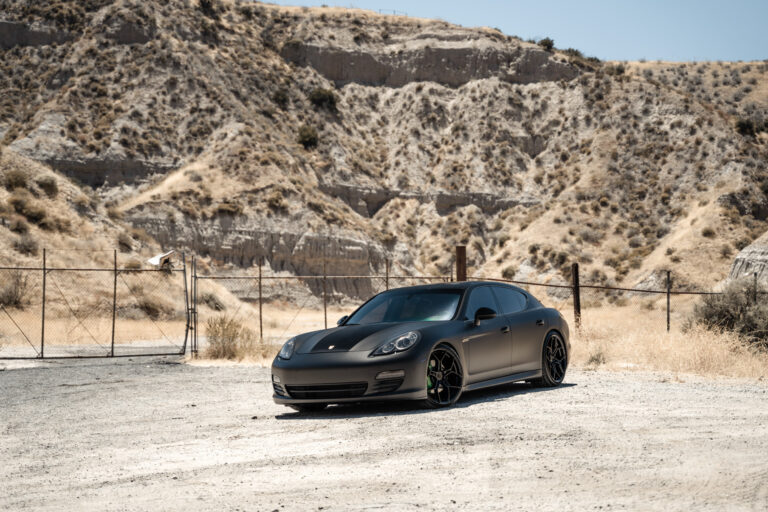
347,377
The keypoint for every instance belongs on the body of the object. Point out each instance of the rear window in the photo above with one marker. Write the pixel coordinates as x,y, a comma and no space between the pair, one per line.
511,301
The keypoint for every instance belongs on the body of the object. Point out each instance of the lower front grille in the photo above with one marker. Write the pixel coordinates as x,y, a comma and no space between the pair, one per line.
279,391
386,385
328,391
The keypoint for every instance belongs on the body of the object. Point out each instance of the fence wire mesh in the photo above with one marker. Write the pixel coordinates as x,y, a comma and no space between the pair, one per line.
61,312
20,313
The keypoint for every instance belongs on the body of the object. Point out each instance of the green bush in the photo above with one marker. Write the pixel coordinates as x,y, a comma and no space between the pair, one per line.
740,308
308,136
323,98
573,52
547,43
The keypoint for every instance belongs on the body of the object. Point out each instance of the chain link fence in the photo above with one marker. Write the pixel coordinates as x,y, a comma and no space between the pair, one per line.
277,307
67,312
128,310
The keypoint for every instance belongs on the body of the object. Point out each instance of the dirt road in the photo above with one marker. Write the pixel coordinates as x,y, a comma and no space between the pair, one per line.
157,435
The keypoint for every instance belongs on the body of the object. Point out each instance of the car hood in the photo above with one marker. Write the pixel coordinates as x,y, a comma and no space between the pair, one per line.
355,338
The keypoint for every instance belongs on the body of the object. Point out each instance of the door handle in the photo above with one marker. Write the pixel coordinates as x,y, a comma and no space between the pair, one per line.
505,329
539,322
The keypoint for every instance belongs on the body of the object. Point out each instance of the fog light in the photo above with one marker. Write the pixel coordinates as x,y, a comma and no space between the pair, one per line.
394,374
275,378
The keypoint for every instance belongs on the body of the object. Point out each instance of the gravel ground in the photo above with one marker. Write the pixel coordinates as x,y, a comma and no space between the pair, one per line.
160,435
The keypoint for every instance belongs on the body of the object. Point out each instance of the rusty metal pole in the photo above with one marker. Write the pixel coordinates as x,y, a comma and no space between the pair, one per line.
114,305
461,263
42,328
386,274
261,310
576,295
325,297
186,304
669,296
754,290
194,306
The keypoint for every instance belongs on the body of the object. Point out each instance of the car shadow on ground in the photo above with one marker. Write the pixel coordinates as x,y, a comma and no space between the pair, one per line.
467,399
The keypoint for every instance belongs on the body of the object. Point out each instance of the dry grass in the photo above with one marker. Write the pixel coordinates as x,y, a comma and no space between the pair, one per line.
625,338
228,338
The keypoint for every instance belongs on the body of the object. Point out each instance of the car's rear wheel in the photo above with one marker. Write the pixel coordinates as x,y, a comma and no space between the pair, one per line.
445,377
308,407
554,361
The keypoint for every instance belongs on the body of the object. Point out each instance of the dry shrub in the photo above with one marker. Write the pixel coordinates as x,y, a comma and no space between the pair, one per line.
48,185
618,338
228,338
15,178
153,307
19,225
212,301
14,291
738,309
25,244
23,203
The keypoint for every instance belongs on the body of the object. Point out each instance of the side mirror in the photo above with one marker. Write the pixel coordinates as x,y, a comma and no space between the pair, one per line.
342,320
484,314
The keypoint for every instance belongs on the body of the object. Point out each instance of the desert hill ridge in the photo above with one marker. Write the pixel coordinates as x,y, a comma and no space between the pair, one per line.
242,130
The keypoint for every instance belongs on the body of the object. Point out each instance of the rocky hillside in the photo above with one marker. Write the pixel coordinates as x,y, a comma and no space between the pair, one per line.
751,260
339,137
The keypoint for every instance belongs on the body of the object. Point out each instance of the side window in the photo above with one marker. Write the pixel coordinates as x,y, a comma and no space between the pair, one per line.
481,297
512,301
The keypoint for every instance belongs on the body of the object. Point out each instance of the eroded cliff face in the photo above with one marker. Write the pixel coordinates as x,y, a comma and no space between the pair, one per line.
14,34
451,63
752,260
284,248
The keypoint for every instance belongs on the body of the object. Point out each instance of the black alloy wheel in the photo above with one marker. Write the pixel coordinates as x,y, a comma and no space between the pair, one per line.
445,377
554,361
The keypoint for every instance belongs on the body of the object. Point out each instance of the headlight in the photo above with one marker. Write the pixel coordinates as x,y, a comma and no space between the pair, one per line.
287,351
398,344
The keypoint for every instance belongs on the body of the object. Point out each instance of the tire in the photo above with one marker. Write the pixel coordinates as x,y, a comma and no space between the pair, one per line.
554,362
308,408
445,378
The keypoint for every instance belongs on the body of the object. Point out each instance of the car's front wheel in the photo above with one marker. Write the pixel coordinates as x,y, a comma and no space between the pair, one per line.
554,361
445,377
308,407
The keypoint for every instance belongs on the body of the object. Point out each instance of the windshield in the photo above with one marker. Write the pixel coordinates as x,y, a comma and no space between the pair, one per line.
408,306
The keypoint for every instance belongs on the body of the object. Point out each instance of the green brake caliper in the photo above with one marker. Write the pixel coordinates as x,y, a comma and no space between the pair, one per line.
430,384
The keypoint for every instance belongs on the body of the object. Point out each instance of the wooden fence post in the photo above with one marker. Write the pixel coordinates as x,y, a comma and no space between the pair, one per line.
576,294
461,263
669,296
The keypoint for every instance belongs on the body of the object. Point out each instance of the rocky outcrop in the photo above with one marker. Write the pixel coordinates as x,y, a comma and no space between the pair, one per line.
20,34
244,242
129,32
753,259
367,201
448,63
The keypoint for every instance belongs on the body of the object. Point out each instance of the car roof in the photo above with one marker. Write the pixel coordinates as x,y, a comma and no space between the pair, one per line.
457,285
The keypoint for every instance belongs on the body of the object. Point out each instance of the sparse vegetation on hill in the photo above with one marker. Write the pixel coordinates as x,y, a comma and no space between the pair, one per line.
224,118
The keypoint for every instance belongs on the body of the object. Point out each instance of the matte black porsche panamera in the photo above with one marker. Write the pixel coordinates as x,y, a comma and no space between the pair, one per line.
427,343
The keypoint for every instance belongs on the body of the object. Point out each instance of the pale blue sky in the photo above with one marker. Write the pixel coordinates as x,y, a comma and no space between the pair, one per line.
678,30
